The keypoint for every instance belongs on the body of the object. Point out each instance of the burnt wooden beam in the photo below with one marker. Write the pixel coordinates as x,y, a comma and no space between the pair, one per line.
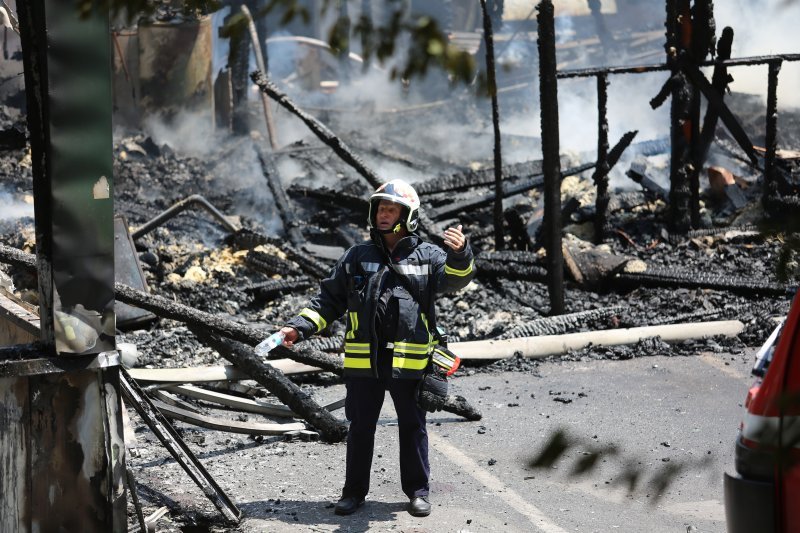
602,168
719,81
548,94
508,190
241,355
770,181
318,128
488,37
285,210
468,179
194,318
659,67
725,114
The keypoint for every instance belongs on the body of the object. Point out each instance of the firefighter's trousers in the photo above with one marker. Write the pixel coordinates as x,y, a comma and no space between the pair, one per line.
362,407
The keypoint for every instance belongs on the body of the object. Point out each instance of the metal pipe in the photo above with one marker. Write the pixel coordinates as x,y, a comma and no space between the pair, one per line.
177,209
262,66
548,83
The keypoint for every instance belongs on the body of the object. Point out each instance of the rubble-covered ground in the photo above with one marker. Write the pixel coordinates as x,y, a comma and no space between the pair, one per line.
194,260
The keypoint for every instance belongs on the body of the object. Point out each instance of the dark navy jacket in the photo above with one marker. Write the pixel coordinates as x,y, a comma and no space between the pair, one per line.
354,285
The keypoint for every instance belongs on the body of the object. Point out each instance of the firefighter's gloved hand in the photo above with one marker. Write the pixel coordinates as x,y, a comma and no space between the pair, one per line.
432,392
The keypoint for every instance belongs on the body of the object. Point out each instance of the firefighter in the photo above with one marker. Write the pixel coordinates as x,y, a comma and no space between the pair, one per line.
386,287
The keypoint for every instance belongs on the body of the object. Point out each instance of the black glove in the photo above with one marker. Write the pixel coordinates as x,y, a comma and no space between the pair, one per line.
432,391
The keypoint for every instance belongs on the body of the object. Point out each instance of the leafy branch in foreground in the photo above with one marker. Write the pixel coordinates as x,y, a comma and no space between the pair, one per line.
632,474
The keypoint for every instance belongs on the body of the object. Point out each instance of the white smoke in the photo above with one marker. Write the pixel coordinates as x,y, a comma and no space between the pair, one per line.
763,27
11,209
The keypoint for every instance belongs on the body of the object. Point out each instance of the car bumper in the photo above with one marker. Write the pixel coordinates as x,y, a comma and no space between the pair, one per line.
749,505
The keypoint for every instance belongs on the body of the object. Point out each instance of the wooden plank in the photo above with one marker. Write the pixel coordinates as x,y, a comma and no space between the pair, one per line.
242,404
230,426
14,478
211,373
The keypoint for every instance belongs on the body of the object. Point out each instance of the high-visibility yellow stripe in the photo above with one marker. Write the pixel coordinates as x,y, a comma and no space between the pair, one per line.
461,273
356,347
409,363
443,355
427,328
410,347
357,362
315,317
353,325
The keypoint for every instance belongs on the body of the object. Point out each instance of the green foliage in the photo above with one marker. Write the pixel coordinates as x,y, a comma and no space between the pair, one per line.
427,47
590,456
134,9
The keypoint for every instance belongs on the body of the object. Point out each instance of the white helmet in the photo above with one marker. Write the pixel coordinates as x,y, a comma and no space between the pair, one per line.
399,192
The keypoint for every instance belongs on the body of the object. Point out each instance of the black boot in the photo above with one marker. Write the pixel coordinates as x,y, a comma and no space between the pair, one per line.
348,505
419,506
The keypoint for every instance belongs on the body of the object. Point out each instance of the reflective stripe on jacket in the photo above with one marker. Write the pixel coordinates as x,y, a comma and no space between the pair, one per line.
353,288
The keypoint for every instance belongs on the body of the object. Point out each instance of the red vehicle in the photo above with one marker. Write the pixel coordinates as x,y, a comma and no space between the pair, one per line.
764,494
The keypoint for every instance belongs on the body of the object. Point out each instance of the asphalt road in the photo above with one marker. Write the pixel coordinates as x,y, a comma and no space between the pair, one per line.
659,413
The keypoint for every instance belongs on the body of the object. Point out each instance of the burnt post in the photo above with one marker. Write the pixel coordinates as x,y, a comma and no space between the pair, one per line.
771,136
600,176
61,443
551,164
488,36
678,37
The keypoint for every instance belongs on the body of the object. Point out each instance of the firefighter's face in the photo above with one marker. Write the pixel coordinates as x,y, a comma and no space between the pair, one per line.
388,214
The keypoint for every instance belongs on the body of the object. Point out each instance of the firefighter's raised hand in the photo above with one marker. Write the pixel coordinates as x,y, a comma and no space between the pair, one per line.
454,238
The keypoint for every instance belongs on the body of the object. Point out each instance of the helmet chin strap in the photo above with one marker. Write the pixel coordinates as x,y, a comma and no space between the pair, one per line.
396,229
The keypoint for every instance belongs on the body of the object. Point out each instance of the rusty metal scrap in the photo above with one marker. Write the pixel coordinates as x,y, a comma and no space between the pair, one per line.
162,429
177,208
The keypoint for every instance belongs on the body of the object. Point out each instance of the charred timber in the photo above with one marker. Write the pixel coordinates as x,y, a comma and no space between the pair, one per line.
692,279
602,168
715,100
770,181
166,308
285,209
658,67
496,269
488,37
269,290
697,316
508,191
270,264
320,130
332,198
556,325
551,165
719,82
467,180
330,428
